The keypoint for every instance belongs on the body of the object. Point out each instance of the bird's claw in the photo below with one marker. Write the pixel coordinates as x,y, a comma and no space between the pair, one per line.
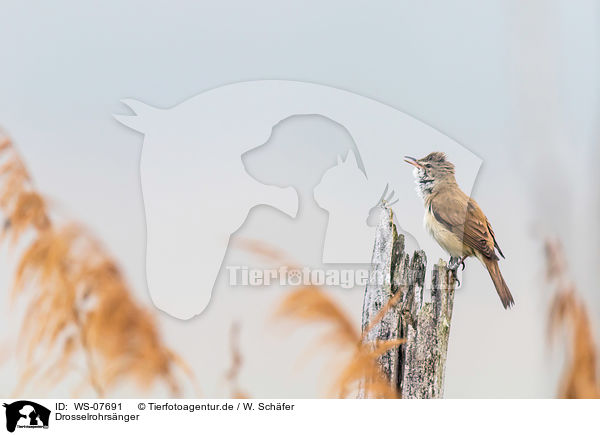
455,276
453,265
455,262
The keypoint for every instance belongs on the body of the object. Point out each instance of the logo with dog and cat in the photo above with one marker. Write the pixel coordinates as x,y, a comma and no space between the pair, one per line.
25,414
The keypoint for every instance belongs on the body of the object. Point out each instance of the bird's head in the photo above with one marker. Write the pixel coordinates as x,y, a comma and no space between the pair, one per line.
431,170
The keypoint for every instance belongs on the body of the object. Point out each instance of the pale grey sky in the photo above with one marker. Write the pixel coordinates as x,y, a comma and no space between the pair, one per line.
515,83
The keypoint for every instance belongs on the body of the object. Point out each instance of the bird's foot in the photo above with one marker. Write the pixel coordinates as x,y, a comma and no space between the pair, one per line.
455,276
453,265
454,262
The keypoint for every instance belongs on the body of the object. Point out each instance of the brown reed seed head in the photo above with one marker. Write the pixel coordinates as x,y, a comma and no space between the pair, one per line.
311,305
568,312
78,301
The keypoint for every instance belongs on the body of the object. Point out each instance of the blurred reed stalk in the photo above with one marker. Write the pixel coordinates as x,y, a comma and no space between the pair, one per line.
237,360
79,303
309,305
362,370
568,312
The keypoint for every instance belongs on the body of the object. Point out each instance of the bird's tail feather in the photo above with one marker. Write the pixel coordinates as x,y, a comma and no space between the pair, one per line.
499,283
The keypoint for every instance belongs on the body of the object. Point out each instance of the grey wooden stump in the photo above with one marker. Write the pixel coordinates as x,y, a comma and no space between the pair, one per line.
416,369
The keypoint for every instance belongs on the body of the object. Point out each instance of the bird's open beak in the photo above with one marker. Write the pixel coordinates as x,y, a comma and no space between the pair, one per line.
412,161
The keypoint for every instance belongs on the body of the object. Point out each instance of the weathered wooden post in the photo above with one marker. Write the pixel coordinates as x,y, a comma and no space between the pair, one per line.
416,369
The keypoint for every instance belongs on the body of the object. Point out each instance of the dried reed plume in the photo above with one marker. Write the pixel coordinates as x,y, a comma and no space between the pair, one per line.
310,305
580,377
79,307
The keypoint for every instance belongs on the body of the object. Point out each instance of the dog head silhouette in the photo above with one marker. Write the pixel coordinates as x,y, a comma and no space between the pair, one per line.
25,408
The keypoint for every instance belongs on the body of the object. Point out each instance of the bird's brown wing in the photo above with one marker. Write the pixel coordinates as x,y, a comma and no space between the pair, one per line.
494,237
461,215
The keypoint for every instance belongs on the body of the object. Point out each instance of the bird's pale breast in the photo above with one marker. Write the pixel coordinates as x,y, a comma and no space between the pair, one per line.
449,241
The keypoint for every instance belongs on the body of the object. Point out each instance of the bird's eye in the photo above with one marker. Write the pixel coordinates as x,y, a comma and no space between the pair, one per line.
428,165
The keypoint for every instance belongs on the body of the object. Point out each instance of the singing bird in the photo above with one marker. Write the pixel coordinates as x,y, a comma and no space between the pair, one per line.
455,220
